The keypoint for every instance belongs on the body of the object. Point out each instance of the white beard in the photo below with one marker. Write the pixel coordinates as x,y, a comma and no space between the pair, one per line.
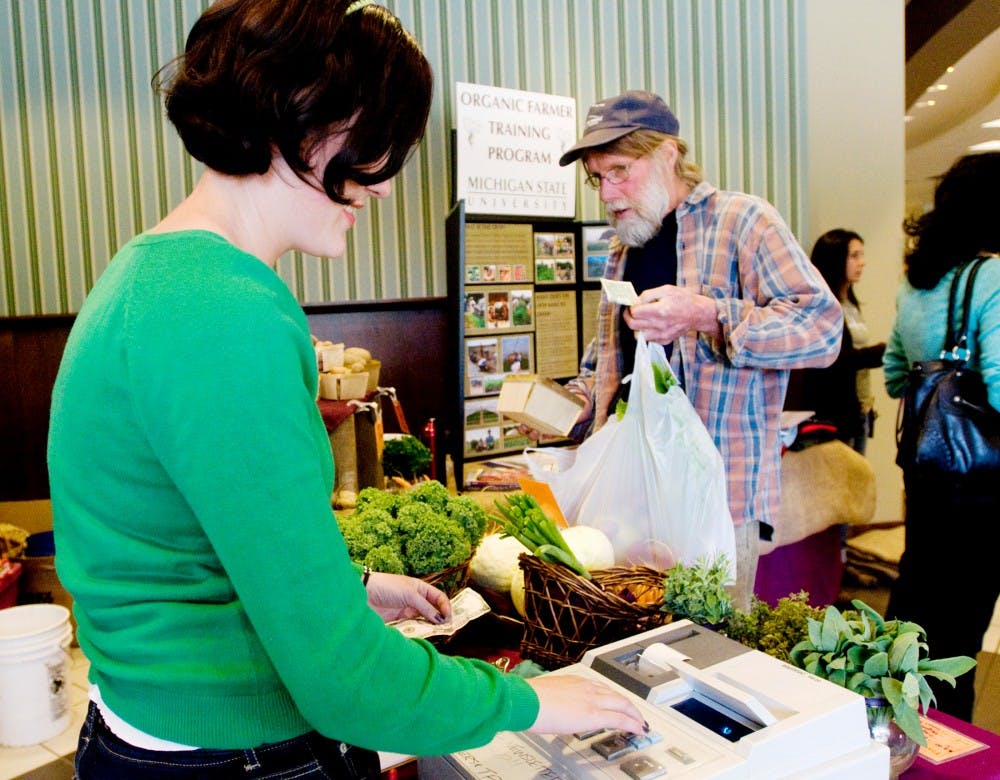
648,210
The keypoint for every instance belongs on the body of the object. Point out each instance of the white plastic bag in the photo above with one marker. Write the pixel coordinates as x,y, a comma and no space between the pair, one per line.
653,481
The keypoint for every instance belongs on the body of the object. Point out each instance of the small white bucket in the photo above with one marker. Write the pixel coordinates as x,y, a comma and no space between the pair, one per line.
34,673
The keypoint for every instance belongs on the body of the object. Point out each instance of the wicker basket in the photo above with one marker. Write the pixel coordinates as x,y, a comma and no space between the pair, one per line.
565,615
452,579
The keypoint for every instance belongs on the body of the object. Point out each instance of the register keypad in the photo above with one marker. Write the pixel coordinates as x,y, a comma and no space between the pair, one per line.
621,743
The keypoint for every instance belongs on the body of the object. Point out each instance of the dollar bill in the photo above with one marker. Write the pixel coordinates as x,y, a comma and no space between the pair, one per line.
466,605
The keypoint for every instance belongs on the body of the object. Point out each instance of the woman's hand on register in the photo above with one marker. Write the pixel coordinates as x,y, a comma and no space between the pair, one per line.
570,704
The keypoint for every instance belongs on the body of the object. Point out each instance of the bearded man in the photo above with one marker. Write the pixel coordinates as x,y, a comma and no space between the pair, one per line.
723,285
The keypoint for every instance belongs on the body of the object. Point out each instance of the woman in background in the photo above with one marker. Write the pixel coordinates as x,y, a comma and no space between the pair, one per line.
841,393
227,631
947,575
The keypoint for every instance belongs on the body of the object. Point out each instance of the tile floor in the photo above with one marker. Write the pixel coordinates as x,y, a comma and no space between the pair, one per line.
53,759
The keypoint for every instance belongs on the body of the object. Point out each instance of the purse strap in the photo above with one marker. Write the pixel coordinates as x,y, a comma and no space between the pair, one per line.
956,348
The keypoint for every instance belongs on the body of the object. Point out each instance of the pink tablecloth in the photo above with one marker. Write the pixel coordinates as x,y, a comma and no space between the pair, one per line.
981,765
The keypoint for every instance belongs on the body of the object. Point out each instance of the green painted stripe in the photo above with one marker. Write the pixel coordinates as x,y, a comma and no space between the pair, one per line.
27,164
548,53
792,168
162,199
768,105
84,244
51,115
745,95
103,116
7,220
699,124
132,141
721,86
442,95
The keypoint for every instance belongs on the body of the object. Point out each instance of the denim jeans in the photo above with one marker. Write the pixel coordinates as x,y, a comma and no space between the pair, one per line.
100,755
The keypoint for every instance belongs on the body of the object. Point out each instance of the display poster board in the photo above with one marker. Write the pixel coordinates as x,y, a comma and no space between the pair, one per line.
508,144
498,253
556,325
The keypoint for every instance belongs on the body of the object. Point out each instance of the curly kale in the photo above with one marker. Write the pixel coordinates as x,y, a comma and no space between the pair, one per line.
470,515
374,498
418,532
385,558
430,492
406,457
367,529
438,544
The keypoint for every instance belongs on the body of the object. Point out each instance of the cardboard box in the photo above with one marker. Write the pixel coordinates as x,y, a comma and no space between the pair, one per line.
343,387
539,402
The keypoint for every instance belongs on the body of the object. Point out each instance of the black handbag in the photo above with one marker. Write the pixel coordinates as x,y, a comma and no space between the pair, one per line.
948,426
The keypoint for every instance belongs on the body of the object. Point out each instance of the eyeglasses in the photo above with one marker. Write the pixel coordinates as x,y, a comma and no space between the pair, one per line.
616,174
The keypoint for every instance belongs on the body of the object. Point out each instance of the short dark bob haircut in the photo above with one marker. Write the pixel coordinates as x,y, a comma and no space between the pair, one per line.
265,76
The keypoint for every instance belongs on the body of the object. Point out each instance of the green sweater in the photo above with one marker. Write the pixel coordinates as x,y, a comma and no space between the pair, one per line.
191,476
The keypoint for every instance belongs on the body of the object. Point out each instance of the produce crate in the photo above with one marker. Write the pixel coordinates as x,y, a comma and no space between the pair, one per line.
565,614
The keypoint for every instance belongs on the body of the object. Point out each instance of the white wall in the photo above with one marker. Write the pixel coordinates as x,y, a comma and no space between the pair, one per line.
856,173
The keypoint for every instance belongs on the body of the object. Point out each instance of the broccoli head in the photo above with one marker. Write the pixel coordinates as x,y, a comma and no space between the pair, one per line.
470,515
439,543
385,558
429,492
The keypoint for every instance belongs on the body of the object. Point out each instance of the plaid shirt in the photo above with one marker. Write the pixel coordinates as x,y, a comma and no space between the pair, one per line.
776,314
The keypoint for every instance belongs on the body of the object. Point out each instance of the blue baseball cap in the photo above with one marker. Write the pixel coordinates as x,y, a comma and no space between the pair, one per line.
611,118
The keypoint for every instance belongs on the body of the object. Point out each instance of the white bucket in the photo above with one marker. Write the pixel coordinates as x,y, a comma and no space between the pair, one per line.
34,673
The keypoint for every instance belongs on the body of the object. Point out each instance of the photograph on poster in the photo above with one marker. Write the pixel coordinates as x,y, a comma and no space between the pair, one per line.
480,440
505,274
521,308
596,240
520,273
513,438
489,273
475,310
482,354
498,310
545,270
555,258
515,354
473,273
481,412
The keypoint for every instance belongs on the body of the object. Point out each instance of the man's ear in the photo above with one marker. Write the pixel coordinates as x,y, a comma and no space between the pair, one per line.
670,152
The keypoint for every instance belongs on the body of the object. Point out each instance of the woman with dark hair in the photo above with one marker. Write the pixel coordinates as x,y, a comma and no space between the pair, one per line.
841,393
945,560
227,631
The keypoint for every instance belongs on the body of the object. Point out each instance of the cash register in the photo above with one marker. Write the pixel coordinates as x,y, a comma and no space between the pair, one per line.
716,709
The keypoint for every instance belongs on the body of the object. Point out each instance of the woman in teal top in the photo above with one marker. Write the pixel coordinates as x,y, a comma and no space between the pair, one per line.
945,560
227,631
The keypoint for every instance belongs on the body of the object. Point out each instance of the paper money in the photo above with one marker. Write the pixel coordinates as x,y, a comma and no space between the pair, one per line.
466,606
622,293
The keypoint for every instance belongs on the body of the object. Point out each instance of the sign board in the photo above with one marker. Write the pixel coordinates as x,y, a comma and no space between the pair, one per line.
508,145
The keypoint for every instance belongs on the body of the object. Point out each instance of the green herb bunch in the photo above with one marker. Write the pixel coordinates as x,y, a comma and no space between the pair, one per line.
774,630
699,593
877,658
406,457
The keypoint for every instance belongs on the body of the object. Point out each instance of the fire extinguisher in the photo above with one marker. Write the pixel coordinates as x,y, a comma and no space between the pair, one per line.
430,439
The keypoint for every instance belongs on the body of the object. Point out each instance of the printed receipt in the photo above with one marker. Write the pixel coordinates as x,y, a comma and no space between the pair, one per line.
622,293
466,606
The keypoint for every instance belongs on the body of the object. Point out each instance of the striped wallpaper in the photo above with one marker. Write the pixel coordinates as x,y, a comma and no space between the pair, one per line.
87,159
